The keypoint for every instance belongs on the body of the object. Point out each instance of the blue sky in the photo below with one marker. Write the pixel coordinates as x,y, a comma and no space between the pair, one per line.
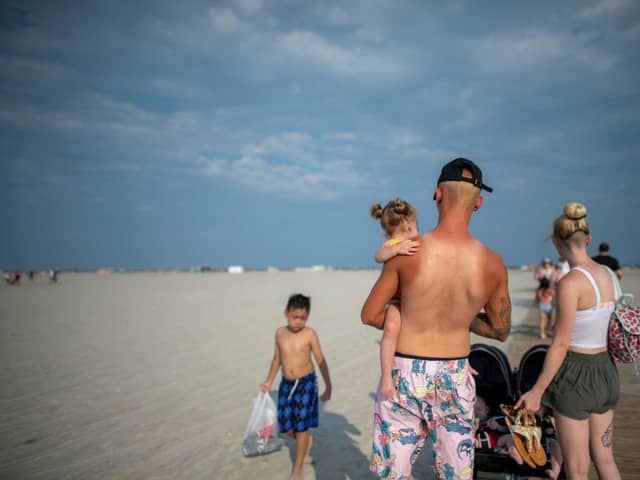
256,132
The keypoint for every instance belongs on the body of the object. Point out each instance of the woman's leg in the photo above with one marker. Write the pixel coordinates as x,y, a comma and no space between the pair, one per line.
601,445
573,436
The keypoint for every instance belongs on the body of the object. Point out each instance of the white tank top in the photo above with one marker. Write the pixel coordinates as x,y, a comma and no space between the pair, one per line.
592,325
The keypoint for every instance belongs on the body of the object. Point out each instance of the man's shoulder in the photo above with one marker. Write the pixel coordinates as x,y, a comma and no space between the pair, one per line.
491,258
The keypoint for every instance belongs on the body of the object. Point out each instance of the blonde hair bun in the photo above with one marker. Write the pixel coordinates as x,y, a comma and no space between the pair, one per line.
572,220
575,211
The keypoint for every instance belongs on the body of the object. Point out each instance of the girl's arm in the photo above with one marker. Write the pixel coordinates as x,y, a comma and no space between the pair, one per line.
566,319
273,370
393,247
322,365
385,252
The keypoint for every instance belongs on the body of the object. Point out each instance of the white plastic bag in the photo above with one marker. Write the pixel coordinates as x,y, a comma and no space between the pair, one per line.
261,436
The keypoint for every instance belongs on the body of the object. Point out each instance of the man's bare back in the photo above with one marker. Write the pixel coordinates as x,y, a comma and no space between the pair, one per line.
444,286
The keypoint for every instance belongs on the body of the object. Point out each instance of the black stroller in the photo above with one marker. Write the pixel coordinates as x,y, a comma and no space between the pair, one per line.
497,383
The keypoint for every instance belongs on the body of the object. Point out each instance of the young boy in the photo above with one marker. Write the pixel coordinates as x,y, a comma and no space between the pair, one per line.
298,392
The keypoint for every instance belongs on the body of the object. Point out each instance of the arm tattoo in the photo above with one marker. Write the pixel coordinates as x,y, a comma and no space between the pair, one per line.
607,436
505,308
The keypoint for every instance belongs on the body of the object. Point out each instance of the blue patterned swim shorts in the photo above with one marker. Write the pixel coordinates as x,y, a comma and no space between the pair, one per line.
298,403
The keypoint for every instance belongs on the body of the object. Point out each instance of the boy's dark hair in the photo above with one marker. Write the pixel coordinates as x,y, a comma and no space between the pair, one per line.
297,300
544,283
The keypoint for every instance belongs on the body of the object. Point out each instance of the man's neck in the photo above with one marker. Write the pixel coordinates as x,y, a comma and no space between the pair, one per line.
454,221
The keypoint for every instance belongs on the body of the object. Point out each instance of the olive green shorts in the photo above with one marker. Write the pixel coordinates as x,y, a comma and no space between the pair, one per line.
584,384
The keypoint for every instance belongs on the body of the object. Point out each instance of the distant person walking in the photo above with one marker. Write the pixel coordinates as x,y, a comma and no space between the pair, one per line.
544,297
579,380
603,258
445,284
545,270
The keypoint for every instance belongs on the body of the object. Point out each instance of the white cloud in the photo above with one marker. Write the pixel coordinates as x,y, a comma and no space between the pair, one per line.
278,164
372,35
249,7
528,50
335,15
225,21
295,146
606,8
409,143
313,51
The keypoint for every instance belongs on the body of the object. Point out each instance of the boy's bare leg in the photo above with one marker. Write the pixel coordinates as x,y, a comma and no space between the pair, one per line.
388,349
303,445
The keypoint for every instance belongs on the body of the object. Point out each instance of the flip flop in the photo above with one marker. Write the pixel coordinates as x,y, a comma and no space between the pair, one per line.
526,435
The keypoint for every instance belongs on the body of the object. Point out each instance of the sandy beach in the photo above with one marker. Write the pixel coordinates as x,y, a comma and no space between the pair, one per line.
139,376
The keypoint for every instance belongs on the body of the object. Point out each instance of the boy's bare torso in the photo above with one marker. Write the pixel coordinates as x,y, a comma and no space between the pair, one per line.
444,286
295,352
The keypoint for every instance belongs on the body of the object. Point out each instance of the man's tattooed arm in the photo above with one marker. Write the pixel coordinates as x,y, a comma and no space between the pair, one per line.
497,327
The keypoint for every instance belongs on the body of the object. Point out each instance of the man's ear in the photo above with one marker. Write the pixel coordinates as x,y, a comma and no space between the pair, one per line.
478,203
437,195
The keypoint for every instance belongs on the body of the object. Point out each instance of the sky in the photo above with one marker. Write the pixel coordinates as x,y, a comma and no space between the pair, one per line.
258,133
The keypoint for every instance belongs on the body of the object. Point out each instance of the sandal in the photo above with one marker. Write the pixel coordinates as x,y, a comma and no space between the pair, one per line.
526,435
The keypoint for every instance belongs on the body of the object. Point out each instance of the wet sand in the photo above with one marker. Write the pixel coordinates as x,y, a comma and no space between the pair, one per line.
143,376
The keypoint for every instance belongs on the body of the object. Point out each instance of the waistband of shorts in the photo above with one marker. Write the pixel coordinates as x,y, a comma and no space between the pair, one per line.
308,376
577,357
437,359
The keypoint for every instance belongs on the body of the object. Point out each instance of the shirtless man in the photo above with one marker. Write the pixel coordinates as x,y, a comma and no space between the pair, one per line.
444,286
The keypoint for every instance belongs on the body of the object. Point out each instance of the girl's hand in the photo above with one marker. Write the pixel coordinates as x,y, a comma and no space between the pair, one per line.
530,401
407,247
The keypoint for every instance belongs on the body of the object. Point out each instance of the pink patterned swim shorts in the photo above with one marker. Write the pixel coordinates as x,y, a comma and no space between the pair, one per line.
434,398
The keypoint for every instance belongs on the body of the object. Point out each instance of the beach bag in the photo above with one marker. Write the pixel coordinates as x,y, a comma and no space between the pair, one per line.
261,435
624,327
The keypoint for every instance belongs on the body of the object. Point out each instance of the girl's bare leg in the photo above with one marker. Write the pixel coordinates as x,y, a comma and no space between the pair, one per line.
544,320
388,349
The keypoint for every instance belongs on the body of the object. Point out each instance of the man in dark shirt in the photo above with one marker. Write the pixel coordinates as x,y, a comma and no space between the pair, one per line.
603,258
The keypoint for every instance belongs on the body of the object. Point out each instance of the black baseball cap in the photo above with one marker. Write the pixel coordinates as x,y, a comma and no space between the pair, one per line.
453,172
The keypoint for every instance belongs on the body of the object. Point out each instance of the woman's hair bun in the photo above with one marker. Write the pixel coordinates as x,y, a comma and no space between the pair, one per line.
574,211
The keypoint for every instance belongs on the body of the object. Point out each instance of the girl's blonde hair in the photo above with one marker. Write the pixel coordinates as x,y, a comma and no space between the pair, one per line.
572,220
393,214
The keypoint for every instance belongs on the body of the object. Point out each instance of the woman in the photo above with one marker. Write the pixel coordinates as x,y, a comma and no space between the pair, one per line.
579,379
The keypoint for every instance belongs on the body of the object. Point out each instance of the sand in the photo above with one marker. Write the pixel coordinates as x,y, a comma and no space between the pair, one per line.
138,376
